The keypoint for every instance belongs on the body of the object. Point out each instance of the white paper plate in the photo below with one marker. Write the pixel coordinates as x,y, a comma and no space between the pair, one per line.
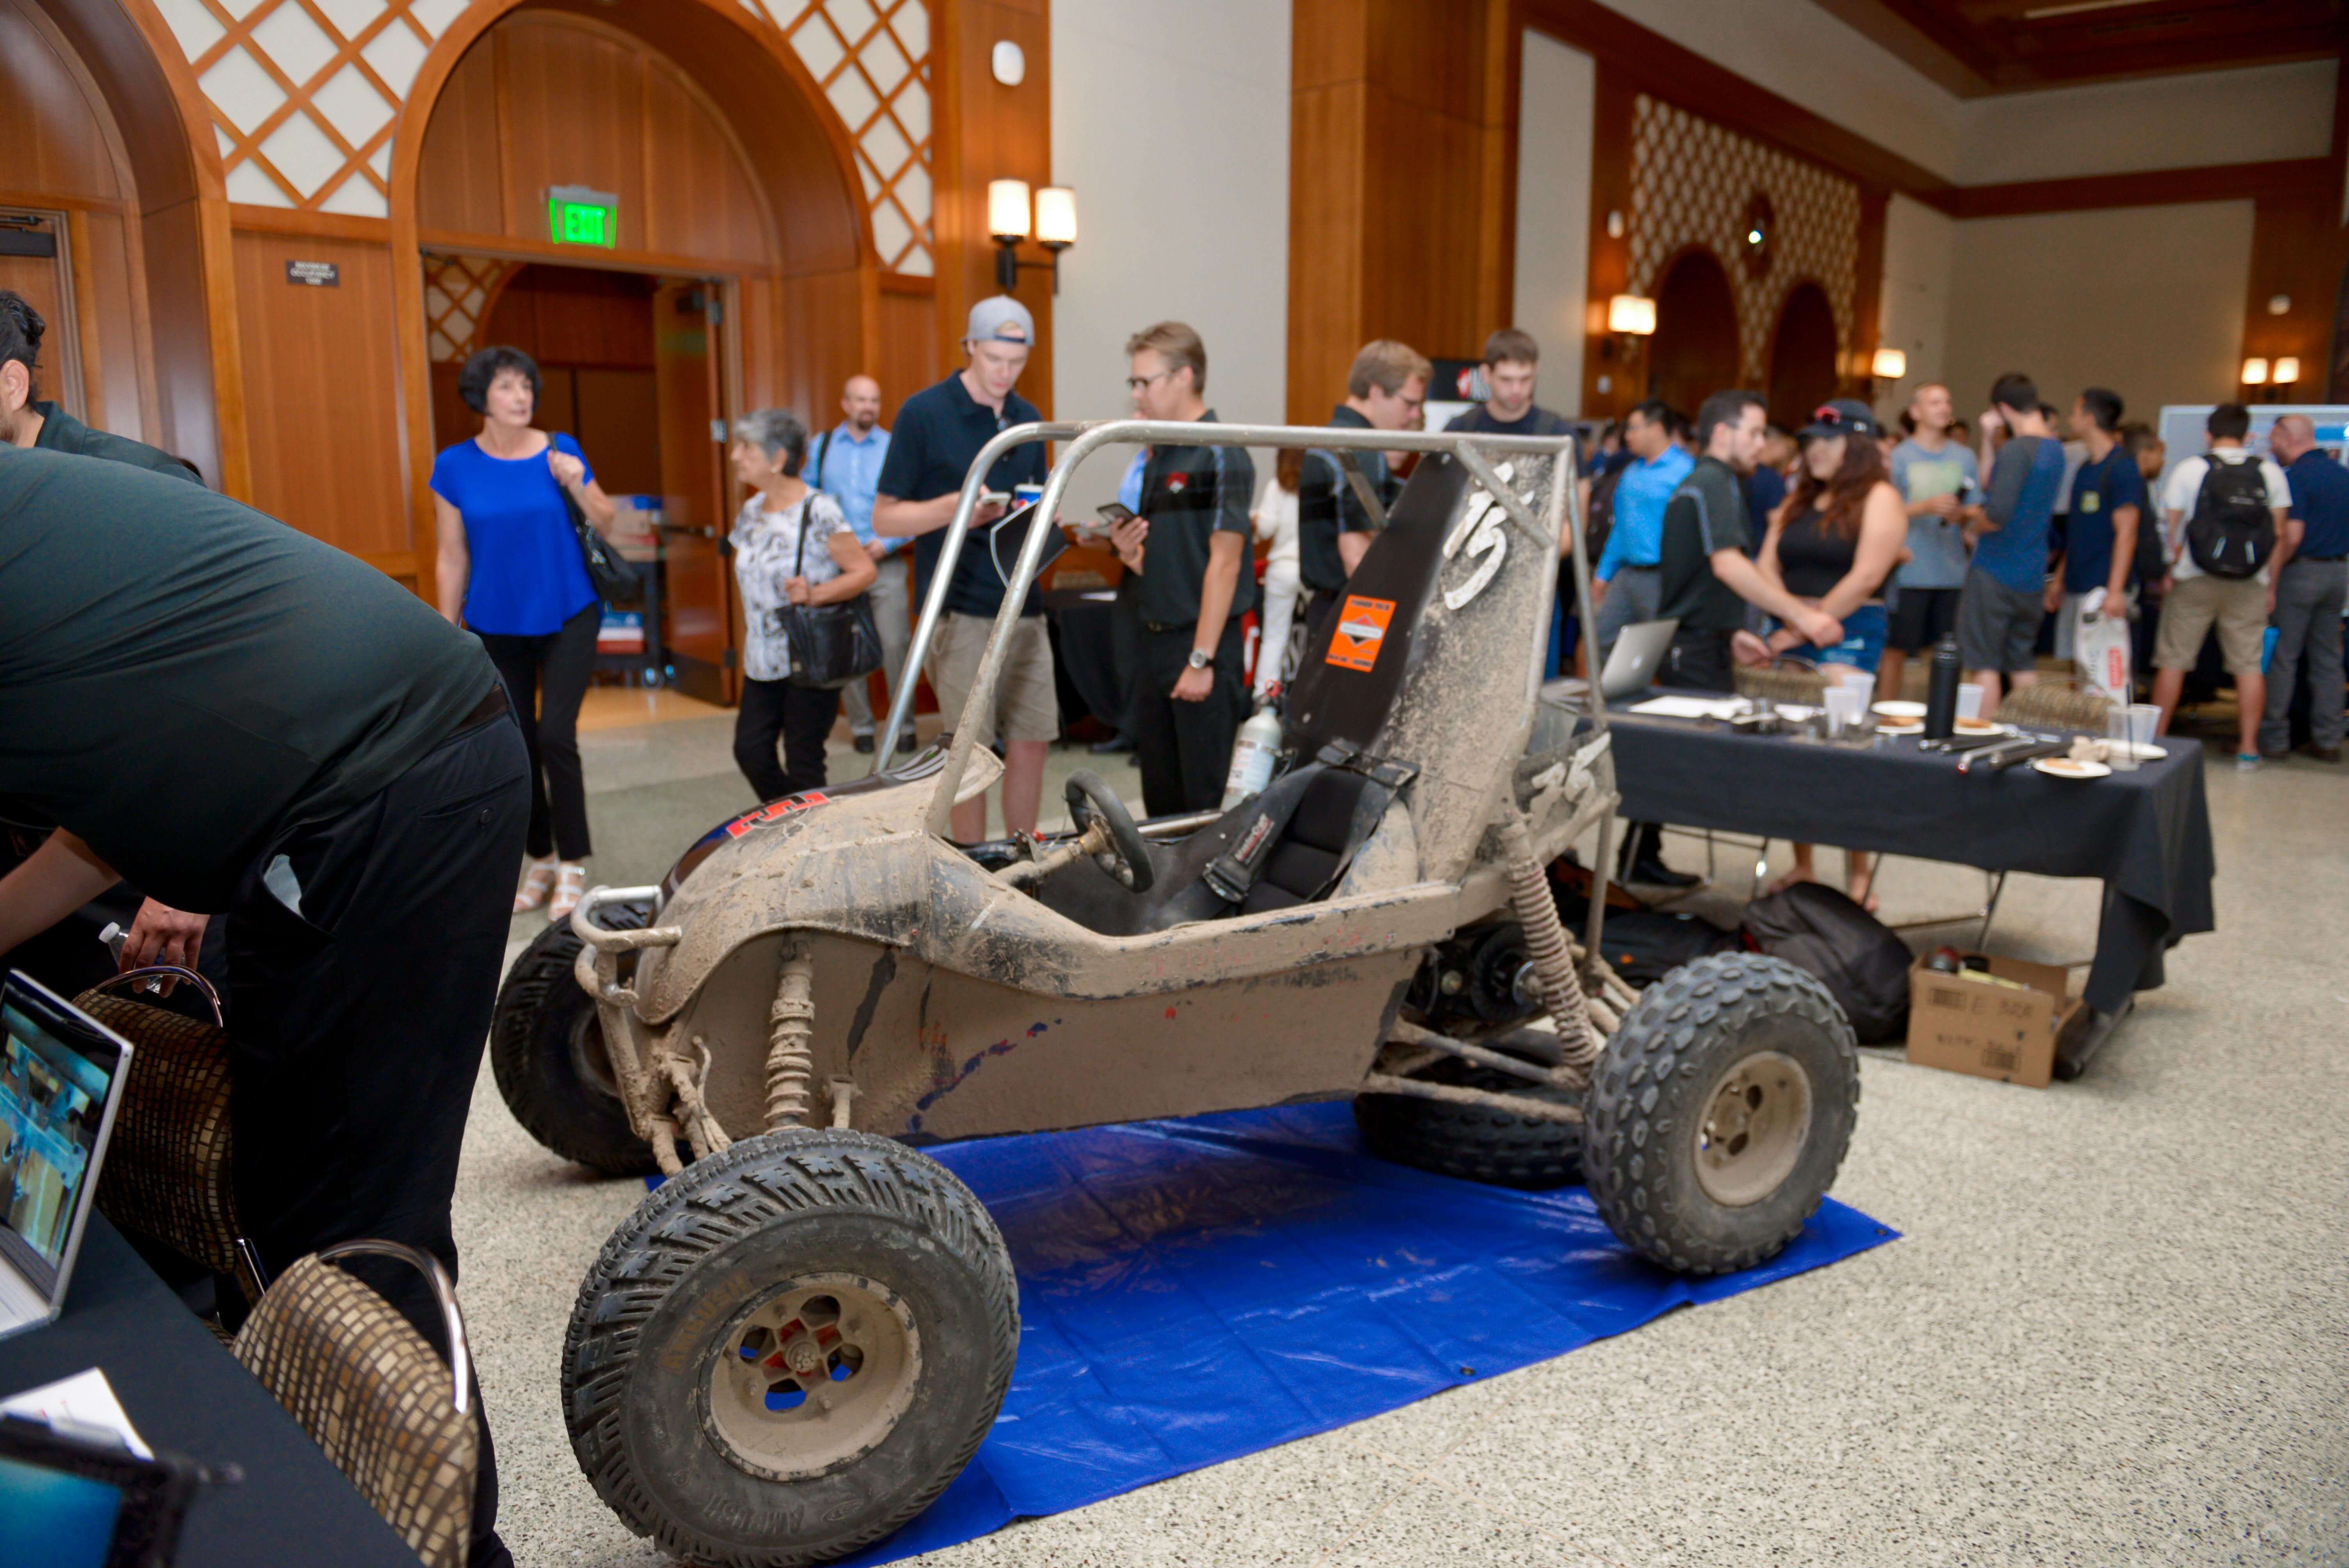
2144,751
1889,709
1915,728
1977,727
2065,767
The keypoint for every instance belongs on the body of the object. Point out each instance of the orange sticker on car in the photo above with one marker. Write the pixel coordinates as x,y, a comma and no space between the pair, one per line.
1361,629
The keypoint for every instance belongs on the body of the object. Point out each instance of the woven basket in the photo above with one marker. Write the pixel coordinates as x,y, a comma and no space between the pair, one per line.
366,1385
166,1169
2048,706
1786,683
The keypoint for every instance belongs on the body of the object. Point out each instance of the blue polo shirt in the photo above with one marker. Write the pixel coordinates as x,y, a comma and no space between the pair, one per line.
1638,536
2099,490
846,466
939,432
2320,499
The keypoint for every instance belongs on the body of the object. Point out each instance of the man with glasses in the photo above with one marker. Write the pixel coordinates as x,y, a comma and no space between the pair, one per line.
940,431
1186,556
1385,390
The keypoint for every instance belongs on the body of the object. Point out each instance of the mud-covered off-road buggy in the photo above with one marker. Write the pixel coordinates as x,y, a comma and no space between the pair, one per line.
797,1341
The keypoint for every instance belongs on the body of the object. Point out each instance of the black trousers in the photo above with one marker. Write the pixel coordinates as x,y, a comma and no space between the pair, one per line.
547,676
361,1011
800,716
1185,749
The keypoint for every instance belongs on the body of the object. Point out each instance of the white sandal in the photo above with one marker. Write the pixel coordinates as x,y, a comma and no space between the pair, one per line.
570,887
537,881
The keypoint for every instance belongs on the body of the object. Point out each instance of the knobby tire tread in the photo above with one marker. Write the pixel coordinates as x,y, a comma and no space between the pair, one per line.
715,1201
541,978
1670,1024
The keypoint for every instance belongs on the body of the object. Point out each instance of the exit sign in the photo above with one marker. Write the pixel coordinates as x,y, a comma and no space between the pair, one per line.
578,216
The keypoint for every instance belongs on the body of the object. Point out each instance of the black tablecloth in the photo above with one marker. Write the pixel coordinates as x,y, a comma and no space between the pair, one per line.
186,1394
1086,654
2146,834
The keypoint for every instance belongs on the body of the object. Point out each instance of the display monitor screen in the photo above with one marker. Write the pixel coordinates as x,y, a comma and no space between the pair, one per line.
53,1093
55,1517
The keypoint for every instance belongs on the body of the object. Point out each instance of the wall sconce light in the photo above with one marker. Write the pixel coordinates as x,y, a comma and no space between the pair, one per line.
2286,372
1631,316
2255,372
1890,365
1007,224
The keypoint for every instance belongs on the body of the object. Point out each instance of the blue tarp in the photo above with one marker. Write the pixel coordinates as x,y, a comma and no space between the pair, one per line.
1193,1291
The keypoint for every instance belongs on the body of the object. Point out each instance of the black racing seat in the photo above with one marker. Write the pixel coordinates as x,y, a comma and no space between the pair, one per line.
1312,849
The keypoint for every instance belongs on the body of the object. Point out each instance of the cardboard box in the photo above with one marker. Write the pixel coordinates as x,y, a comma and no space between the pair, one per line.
1991,1031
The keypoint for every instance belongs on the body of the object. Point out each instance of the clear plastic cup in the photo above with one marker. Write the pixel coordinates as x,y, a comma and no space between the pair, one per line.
1970,695
1844,706
2121,756
2143,718
1864,684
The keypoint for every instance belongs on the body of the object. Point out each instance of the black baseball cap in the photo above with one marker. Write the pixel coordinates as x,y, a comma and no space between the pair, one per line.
1842,417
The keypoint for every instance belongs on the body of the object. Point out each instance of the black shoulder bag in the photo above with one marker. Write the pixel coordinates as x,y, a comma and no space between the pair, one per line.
608,571
831,645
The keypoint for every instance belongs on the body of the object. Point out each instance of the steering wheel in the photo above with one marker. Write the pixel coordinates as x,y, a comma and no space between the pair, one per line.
1093,803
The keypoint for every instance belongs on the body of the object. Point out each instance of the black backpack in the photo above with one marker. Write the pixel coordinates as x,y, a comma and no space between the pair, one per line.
1866,968
2232,531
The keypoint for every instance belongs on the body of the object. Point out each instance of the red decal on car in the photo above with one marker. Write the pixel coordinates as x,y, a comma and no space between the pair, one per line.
775,811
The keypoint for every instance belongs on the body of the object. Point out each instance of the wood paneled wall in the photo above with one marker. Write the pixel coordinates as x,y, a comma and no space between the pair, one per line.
994,132
64,154
1401,183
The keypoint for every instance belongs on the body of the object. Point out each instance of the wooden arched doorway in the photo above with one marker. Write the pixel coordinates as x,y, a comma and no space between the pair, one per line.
101,182
740,281
1802,357
1693,352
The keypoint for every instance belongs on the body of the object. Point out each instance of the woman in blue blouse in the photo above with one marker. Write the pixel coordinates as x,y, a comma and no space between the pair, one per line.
511,572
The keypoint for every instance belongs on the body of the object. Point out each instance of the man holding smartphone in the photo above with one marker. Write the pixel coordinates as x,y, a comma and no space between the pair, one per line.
940,431
1187,553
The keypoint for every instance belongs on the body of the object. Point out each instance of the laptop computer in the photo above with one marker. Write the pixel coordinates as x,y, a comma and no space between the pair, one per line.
1633,665
61,1078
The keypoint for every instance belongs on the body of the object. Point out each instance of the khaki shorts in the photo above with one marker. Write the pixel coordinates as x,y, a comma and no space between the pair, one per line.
2239,606
1027,702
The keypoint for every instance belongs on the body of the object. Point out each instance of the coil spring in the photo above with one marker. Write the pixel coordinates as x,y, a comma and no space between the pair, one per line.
1548,948
790,1026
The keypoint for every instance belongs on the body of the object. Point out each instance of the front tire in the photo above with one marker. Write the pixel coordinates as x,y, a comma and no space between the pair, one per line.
546,1051
789,1349
1719,1113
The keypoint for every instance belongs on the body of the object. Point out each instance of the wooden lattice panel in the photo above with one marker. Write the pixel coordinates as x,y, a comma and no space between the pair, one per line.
1690,182
304,95
457,295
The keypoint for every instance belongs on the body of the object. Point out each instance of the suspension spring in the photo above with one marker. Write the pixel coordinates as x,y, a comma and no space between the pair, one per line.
790,1026
1548,949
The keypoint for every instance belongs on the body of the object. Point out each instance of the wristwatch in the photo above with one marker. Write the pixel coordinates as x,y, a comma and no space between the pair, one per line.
1200,659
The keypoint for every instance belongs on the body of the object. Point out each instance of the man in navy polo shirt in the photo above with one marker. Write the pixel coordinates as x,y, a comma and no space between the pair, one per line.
939,432
2093,570
2307,590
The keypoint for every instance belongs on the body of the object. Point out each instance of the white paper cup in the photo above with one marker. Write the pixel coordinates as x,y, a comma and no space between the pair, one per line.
1970,698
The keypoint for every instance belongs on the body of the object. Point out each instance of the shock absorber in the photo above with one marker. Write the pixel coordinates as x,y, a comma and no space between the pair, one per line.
790,1026
1548,949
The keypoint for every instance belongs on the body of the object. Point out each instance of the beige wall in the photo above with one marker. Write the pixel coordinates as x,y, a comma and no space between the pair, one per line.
1558,89
1171,122
1917,248
2147,301
2167,122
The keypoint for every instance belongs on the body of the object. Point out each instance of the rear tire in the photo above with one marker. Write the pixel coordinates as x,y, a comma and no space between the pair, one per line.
789,1349
1470,1141
1719,1113
546,1051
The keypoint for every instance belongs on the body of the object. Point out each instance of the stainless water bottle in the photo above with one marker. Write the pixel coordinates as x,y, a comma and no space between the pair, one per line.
1942,691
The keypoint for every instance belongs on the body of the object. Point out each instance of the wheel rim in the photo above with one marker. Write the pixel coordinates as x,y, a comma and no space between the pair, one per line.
812,1376
589,1060
1755,1122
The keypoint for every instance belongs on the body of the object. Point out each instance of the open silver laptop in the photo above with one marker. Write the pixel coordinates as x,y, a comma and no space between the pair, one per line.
1632,669
61,1078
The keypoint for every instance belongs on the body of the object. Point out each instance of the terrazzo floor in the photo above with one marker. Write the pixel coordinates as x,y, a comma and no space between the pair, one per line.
2117,1329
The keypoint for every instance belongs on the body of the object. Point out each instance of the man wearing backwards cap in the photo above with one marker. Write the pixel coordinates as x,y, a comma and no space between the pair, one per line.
940,430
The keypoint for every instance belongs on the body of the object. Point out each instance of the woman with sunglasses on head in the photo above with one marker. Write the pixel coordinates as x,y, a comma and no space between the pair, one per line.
1833,544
